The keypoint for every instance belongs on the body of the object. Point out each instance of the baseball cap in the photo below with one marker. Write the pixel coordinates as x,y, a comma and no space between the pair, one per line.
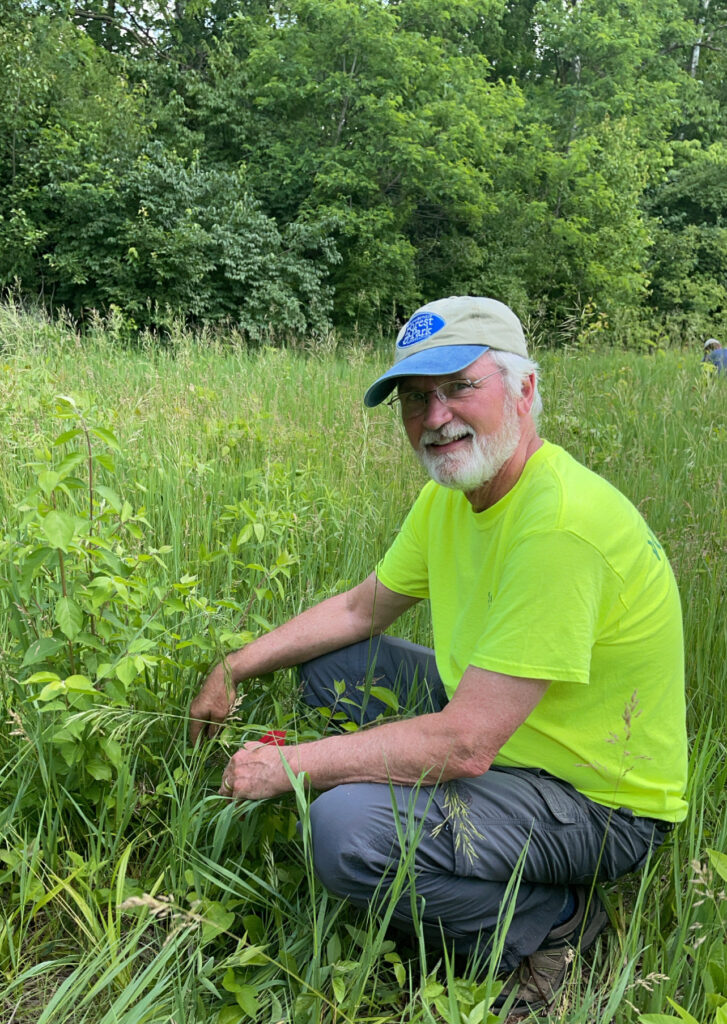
711,341
445,336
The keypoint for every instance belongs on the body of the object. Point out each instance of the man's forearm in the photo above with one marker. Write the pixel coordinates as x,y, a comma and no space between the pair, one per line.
322,628
460,741
406,753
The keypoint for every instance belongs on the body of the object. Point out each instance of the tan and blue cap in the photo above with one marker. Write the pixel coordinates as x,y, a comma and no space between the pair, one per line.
447,335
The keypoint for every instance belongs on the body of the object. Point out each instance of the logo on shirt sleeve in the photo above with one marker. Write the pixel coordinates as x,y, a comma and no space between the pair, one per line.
655,545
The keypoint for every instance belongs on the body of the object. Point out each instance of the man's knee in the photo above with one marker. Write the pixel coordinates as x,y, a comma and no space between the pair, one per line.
354,846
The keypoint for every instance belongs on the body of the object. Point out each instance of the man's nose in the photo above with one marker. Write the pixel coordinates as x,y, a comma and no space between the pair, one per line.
437,412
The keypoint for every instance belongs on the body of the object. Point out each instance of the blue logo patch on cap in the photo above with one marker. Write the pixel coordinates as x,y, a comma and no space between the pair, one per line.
419,328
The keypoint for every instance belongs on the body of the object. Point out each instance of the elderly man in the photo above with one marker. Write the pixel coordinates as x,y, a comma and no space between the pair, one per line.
715,355
548,741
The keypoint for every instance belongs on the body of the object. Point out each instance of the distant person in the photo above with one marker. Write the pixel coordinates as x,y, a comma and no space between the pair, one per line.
551,736
715,354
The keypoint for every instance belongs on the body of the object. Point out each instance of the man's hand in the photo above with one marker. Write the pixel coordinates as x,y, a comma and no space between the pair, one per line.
255,772
212,704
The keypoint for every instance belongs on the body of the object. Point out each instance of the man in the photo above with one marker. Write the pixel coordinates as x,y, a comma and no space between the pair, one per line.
715,355
550,735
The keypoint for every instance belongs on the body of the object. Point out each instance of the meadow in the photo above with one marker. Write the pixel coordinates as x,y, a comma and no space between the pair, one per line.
162,504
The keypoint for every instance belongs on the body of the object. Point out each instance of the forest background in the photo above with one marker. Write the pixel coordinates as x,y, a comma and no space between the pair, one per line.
296,165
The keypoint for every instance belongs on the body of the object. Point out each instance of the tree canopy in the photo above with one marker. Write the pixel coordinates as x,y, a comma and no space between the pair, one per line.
288,165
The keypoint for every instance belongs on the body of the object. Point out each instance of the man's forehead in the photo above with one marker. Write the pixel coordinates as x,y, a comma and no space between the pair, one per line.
423,383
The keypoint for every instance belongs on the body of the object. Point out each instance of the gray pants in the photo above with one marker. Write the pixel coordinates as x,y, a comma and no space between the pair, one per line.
470,834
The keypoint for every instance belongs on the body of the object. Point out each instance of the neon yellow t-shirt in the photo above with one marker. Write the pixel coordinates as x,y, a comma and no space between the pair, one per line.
560,580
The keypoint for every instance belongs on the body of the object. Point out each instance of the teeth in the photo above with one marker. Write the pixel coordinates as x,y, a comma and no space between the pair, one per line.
448,440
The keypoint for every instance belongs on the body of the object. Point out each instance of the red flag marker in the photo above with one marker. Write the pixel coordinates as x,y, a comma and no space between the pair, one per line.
274,736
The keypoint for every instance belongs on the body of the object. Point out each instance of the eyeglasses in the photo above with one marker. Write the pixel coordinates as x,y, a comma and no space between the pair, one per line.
414,403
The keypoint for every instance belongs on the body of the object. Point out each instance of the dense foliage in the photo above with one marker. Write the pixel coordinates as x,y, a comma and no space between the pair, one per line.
286,165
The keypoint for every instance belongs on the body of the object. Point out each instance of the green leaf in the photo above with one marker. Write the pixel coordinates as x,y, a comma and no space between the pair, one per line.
339,989
247,1000
111,497
229,1015
67,435
52,690
126,671
230,982
656,1018
244,536
73,729
80,684
105,435
115,691
249,955
254,926
47,480
99,770
216,920
333,949
59,528
684,1014
714,974
69,617
358,935
113,751
718,861
42,677
67,464
432,989
140,644
41,650
386,696
34,560
52,705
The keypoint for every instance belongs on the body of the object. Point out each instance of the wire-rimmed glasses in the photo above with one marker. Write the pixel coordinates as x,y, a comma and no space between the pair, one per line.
414,403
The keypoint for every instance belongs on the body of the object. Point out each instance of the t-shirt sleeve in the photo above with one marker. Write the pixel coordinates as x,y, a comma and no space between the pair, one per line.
548,609
403,568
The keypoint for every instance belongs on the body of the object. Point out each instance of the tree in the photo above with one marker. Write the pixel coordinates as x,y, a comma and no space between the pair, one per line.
340,111
689,261
68,110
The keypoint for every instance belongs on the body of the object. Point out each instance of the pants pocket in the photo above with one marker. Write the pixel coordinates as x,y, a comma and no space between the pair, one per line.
562,800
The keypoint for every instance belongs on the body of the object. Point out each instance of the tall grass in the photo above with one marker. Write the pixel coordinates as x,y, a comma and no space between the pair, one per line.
154,901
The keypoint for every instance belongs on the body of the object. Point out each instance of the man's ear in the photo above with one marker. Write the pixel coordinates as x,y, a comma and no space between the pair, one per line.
527,395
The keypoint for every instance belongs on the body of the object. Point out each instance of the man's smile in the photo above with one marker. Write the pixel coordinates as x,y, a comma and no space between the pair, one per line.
449,444
447,439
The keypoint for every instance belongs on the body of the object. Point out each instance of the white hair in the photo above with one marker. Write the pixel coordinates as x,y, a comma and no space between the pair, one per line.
515,369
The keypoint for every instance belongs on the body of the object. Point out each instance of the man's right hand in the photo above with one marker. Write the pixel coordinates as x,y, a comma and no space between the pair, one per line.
212,704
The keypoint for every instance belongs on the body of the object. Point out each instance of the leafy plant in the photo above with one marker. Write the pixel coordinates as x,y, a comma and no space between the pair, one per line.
99,625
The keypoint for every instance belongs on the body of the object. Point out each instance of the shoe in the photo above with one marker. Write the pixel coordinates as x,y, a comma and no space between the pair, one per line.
583,927
536,982
540,976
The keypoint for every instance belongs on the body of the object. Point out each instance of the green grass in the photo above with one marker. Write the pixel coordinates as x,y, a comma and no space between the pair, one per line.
256,484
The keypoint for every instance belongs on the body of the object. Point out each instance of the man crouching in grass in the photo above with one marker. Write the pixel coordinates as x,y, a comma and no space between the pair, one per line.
552,707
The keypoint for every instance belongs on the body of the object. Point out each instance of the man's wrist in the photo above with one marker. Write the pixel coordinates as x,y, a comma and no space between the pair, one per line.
232,671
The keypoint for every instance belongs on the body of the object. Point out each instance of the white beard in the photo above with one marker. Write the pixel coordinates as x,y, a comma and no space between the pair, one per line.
483,459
